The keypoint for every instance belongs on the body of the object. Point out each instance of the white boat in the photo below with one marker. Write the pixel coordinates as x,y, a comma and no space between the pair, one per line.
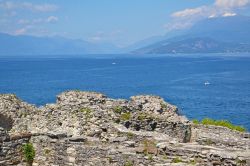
113,63
207,83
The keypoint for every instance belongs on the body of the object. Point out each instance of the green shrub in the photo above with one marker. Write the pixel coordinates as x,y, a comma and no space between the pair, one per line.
47,151
142,116
130,135
239,128
150,157
87,112
125,116
117,109
177,160
224,123
129,163
164,105
195,121
208,121
29,152
208,142
193,162
110,159
165,157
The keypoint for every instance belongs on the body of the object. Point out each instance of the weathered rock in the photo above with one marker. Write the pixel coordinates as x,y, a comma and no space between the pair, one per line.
88,128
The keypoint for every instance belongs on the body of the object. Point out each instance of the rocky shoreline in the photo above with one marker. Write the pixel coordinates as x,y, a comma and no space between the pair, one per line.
88,128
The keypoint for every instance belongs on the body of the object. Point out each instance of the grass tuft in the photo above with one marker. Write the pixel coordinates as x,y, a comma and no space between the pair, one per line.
223,123
177,160
117,109
125,116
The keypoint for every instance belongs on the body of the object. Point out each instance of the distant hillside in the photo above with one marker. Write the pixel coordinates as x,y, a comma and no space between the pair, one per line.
30,45
214,35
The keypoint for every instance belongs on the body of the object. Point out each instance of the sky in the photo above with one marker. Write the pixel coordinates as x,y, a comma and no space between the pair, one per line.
121,22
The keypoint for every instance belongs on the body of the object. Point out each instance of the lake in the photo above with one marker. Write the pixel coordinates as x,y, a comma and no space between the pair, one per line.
215,87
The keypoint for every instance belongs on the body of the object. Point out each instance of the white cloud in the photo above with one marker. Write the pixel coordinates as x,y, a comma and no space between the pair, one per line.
177,25
9,5
221,8
34,20
229,14
231,3
95,39
23,30
52,19
20,31
23,21
188,12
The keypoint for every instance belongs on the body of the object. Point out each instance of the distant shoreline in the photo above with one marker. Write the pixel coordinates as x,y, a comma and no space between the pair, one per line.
111,56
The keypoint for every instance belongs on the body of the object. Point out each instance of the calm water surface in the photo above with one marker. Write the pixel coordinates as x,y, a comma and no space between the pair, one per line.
178,80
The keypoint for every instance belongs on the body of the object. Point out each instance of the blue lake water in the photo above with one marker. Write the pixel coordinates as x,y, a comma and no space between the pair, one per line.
178,80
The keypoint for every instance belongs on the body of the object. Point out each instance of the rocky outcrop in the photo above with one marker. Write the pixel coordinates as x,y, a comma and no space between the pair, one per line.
88,128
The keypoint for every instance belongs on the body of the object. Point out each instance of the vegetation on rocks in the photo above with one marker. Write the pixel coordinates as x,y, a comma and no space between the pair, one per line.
223,123
117,109
130,135
177,160
87,112
125,116
149,146
128,163
142,116
29,153
81,131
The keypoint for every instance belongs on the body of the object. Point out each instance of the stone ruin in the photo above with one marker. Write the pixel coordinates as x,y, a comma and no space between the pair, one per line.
88,128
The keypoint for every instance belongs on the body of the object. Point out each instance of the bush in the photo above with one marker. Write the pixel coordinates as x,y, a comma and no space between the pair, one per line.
130,135
150,157
29,152
142,116
87,112
125,116
117,109
129,163
195,121
223,123
177,160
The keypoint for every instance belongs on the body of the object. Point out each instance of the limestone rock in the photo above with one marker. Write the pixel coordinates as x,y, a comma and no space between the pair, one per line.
88,128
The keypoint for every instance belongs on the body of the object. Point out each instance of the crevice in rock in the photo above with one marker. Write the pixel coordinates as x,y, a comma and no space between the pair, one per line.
6,122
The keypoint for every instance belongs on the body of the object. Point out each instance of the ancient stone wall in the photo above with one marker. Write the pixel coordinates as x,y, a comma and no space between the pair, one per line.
220,137
11,147
87,128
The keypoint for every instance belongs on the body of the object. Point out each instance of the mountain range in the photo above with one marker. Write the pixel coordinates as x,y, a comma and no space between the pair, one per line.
36,46
211,35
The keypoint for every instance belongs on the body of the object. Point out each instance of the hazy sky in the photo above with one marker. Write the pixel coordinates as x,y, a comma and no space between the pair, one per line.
121,22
